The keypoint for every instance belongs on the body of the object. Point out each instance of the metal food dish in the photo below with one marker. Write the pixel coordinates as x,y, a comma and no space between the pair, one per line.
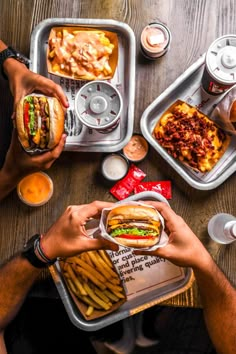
187,87
130,307
125,82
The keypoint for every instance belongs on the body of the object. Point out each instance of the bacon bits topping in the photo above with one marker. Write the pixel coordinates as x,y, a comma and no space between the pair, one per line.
191,137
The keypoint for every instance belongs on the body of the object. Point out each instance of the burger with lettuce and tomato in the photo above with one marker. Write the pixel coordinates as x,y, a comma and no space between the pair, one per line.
39,121
134,225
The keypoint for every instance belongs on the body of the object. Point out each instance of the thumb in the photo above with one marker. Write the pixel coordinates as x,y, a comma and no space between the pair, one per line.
17,98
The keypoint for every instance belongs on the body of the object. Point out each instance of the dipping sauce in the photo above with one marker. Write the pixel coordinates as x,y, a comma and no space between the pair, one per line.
155,40
115,167
136,149
35,189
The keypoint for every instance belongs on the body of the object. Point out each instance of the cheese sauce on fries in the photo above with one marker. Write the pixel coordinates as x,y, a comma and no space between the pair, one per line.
81,54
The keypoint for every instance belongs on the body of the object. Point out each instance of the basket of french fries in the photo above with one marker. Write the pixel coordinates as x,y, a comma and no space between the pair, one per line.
93,283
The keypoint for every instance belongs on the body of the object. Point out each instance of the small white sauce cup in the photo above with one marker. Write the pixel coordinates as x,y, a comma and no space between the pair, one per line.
114,167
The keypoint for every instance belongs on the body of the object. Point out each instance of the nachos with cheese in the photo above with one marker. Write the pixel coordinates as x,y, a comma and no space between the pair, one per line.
82,53
191,137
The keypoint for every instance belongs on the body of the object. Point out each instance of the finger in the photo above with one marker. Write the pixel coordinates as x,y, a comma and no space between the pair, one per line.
93,209
54,90
61,95
56,152
46,159
13,117
157,253
17,98
96,244
164,209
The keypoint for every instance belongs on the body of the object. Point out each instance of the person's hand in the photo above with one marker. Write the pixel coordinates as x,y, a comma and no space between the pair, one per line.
67,237
23,81
19,163
184,248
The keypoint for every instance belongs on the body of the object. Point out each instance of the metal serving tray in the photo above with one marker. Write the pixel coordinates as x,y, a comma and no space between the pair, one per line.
132,306
187,87
79,137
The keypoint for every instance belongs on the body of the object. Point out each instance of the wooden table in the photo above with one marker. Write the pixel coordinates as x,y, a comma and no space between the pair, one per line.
194,26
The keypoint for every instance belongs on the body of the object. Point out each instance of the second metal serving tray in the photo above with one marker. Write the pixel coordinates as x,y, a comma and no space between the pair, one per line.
187,87
143,300
82,138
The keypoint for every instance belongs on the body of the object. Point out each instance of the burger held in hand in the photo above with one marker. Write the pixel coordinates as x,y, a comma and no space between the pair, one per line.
40,122
133,225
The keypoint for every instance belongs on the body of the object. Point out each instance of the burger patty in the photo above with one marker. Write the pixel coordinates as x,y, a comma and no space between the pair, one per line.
39,122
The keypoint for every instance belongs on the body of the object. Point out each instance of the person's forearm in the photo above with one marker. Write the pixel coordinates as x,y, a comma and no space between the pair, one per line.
8,182
16,279
2,45
10,65
219,306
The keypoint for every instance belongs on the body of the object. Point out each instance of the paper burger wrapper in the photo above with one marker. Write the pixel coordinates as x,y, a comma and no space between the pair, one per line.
163,240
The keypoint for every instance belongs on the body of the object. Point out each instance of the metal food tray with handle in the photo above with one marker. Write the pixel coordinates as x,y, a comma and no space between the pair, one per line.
187,87
79,137
131,306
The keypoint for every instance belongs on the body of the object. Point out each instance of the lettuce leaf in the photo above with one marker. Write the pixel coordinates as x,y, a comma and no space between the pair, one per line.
132,231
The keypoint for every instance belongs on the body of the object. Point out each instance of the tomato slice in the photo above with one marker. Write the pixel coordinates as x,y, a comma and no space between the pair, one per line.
26,116
135,237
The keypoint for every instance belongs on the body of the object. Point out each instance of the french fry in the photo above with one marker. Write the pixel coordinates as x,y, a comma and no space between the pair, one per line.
106,259
87,259
89,310
83,271
119,294
90,302
113,287
102,295
108,269
87,267
111,296
96,261
96,298
76,281
91,276
71,286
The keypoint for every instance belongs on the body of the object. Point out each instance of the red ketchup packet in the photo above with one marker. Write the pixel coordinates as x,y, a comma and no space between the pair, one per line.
162,187
123,188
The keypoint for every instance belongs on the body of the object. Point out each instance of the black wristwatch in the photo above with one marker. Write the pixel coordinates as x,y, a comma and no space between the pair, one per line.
10,52
29,253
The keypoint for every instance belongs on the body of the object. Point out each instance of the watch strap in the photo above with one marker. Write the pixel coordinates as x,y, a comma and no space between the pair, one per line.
10,52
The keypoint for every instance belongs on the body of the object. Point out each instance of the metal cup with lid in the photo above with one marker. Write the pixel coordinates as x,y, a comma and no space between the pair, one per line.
98,105
220,69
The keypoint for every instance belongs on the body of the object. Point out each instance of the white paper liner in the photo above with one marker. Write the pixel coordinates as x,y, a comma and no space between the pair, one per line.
102,227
